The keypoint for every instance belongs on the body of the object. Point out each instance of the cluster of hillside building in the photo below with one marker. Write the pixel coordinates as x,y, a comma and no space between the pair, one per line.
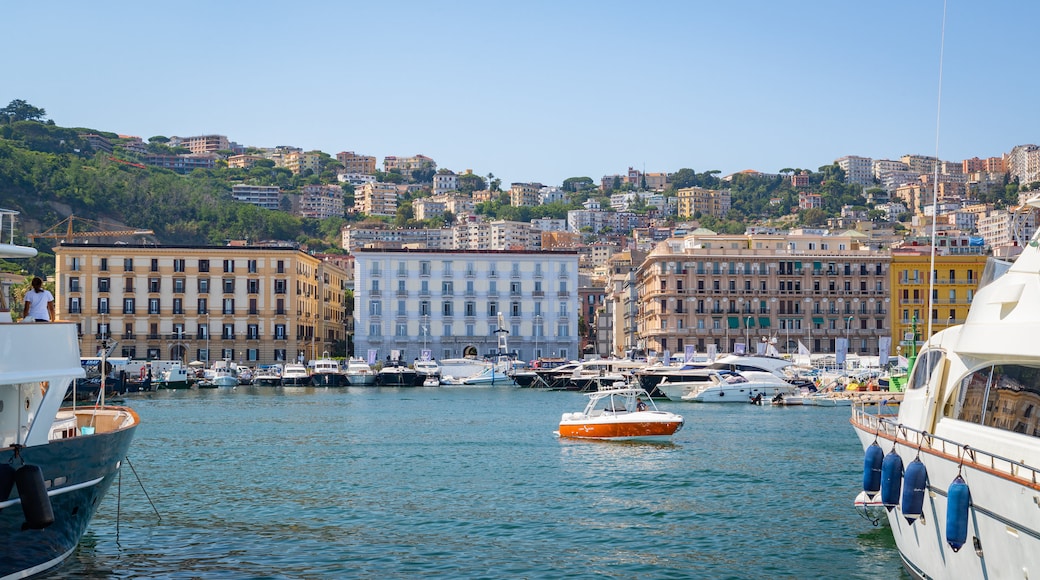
640,287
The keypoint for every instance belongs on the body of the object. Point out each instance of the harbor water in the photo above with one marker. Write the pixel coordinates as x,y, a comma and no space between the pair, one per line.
467,482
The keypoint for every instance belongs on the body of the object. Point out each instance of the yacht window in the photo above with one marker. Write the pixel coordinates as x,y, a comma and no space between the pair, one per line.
926,364
1000,396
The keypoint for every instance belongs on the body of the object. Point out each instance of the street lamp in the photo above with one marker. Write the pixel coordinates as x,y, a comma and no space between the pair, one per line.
425,329
747,335
207,338
537,332
848,344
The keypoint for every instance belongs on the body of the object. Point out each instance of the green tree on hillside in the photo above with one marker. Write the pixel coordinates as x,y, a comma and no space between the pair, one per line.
19,110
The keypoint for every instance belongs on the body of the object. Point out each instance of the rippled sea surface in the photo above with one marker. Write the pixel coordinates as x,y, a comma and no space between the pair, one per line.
472,483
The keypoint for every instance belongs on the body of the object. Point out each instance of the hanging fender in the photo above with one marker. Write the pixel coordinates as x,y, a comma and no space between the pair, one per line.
891,480
958,500
915,480
36,504
872,469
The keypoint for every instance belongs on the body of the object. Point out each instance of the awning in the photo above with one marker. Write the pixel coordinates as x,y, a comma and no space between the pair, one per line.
734,322
817,265
816,320
763,321
748,321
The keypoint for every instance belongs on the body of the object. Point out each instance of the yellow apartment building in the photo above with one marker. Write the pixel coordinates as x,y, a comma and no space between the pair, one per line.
956,281
249,304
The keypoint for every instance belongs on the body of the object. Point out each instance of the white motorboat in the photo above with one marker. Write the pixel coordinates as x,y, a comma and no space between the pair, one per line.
620,412
428,371
957,468
174,377
223,375
325,372
359,373
295,375
268,376
55,464
714,386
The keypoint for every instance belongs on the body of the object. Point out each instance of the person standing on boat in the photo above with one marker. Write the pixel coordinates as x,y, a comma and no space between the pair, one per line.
39,303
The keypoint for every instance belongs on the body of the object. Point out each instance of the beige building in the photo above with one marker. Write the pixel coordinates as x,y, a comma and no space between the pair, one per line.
713,202
355,163
376,199
248,304
727,289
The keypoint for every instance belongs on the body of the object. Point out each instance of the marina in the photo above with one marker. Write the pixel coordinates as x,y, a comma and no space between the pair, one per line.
460,485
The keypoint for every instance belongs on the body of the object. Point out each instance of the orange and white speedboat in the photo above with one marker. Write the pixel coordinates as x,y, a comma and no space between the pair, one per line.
620,412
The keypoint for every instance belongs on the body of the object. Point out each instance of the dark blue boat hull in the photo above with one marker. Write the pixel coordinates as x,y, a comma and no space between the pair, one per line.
89,465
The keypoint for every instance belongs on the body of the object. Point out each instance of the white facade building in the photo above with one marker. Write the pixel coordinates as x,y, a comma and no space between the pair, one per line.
445,182
449,302
265,196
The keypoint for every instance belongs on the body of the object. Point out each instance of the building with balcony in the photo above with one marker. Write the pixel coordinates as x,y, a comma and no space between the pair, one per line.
452,303
710,289
249,304
698,200
321,201
355,163
376,199
265,196
956,281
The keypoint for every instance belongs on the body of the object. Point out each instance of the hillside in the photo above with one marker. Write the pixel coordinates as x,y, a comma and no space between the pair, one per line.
47,172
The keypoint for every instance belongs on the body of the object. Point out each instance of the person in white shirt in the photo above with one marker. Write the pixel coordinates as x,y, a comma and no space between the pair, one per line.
39,303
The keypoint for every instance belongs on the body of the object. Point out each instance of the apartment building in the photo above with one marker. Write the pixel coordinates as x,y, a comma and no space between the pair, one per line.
321,201
453,303
265,196
243,161
953,289
298,162
354,237
356,163
405,165
376,199
857,169
728,289
445,181
202,143
694,200
248,304
524,194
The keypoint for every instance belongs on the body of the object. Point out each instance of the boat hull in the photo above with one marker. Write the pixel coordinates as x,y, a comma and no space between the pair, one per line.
735,393
396,378
328,380
173,384
304,381
90,465
629,428
361,380
267,381
225,382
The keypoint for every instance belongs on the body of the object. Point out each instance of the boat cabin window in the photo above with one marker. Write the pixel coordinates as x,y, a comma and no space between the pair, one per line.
925,366
1001,396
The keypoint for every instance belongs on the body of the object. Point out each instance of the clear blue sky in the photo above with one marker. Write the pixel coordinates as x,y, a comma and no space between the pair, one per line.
541,90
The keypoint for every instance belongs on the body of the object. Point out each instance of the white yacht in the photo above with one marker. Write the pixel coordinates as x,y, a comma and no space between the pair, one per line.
359,373
956,470
295,375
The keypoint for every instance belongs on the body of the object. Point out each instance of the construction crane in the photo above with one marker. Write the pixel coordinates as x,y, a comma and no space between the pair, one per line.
98,231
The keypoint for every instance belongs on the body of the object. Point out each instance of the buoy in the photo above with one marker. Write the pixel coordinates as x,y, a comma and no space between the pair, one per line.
6,481
36,504
915,480
872,469
958,498
891,480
